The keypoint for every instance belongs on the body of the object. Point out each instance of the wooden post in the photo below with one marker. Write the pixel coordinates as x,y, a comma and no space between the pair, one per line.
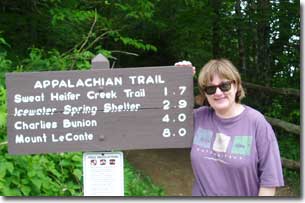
100,62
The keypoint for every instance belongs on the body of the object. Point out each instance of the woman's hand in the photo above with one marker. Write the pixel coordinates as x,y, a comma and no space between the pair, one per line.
188,64
264,191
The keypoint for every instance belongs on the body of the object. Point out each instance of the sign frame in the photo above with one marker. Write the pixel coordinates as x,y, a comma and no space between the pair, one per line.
159,109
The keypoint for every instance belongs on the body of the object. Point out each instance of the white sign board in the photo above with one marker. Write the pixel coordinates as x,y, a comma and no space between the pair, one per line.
103,173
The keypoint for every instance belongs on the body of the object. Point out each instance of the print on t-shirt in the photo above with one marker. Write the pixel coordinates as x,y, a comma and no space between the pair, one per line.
242,145
217,144
203,138
221,142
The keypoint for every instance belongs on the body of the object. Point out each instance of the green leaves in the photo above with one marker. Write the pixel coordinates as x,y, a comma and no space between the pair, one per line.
136,184
37,182
6,167
137,44
11,192
3,112
59,174
3,42
71,15
139,10
39,175
77,172
25,190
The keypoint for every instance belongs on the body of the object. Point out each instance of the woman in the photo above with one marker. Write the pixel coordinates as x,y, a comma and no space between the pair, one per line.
234,151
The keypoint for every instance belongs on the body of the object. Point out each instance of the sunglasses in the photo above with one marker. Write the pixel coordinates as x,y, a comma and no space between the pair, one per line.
223,86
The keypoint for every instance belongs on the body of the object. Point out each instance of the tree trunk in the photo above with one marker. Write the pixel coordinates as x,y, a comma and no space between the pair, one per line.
252,42
263,30
291,164
239,29
284,91
289,127
216,29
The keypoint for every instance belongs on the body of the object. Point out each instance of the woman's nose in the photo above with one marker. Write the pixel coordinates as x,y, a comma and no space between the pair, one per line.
218,91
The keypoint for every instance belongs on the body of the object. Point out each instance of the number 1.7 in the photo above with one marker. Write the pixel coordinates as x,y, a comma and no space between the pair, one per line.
181,88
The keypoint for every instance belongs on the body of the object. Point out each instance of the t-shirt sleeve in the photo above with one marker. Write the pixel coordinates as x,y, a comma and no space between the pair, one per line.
269,160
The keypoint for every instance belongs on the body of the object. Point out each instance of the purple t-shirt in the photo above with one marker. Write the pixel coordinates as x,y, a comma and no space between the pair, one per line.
234,156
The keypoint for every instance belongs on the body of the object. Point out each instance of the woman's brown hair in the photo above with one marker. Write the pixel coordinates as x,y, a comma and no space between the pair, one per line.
224,69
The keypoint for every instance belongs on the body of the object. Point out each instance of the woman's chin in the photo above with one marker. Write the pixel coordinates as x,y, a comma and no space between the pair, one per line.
220,106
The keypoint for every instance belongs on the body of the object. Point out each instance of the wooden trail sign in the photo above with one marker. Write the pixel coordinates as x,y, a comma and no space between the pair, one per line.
100,109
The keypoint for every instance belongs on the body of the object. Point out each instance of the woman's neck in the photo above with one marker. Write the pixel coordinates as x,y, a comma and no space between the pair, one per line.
233,111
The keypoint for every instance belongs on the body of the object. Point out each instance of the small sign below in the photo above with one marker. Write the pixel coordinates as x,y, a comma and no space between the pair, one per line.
103,173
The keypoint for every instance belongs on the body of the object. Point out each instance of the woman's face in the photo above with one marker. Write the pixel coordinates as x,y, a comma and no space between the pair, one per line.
222,101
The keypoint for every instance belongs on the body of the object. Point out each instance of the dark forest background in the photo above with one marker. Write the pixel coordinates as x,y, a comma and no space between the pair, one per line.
261,37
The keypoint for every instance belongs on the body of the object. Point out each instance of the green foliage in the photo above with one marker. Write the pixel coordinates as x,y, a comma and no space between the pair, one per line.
289,144
136,184
275,110
5,64
40,60
40,175
262,40
59,174
3,109
3,43
139,10
293,179
136,43
71,15
288,148
294,116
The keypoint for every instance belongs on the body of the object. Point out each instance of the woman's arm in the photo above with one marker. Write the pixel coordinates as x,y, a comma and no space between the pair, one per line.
266,191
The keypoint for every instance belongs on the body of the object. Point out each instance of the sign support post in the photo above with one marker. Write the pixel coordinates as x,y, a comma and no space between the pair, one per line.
103,171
